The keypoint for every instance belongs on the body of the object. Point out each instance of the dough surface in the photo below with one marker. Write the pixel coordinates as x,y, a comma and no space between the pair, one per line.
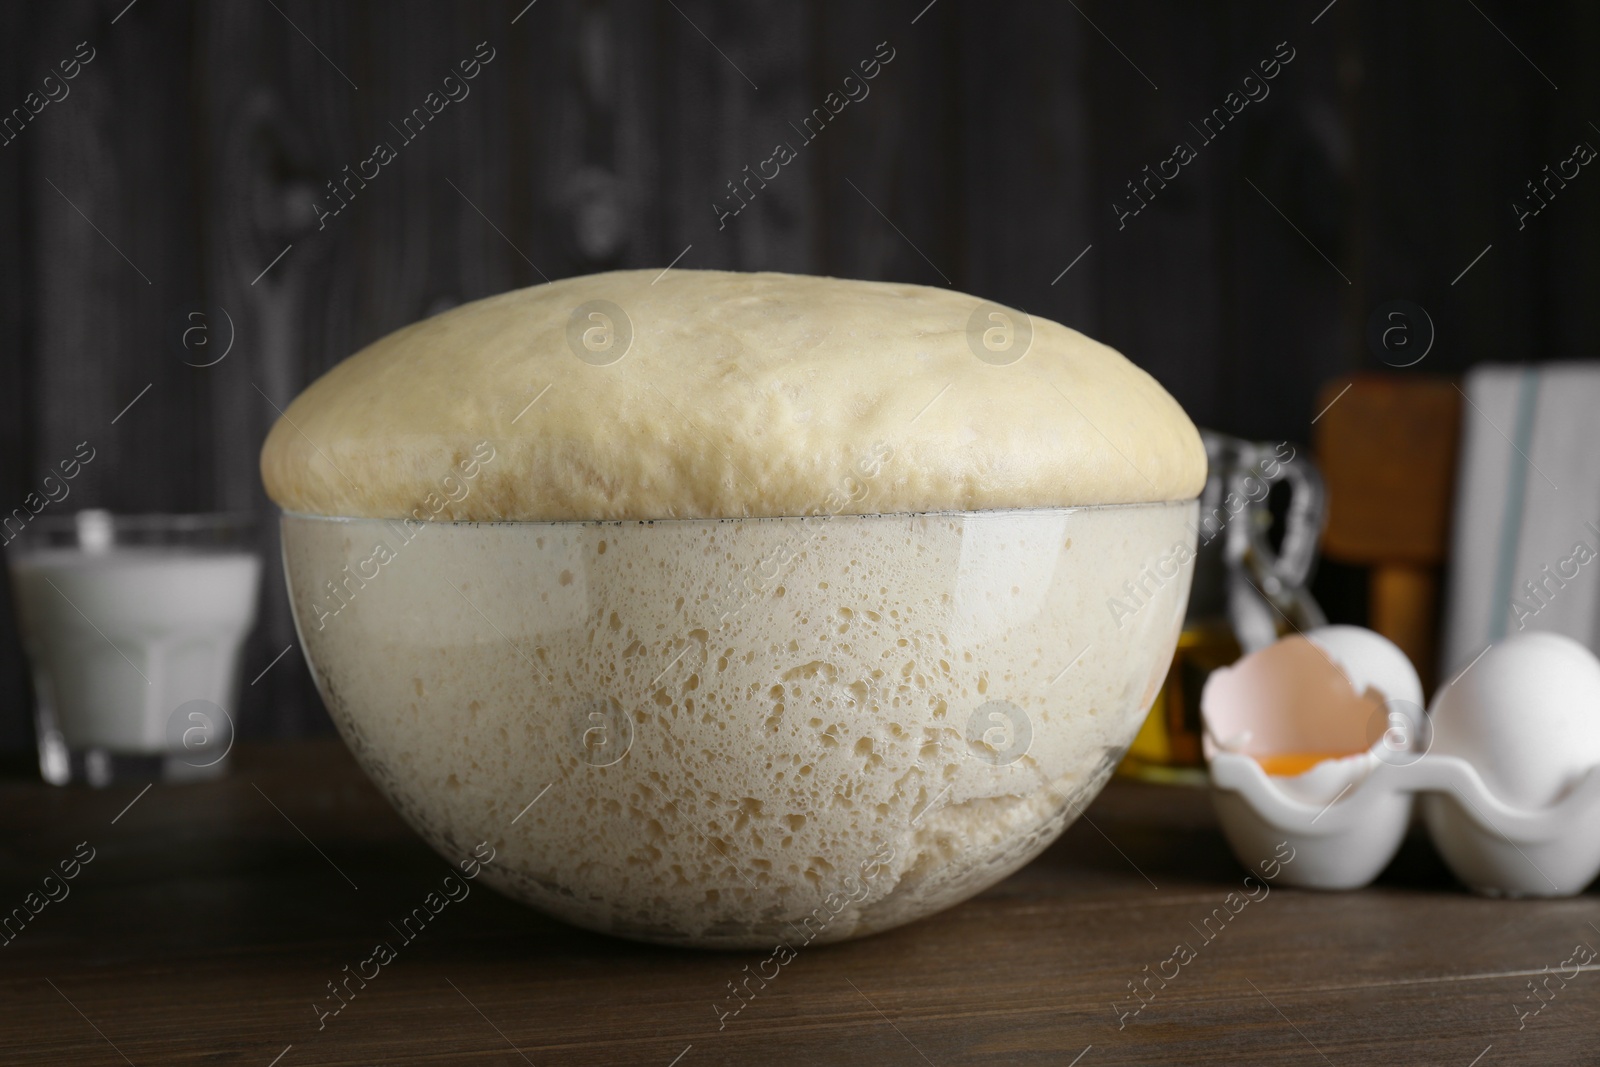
721,394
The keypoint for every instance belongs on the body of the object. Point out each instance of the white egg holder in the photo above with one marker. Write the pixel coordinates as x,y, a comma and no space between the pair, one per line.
1505,765
1345,842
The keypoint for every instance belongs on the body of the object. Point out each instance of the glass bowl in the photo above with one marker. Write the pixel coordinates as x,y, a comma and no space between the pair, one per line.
730,733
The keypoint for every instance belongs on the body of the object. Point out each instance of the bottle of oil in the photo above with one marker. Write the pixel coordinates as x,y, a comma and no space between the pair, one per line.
1248,589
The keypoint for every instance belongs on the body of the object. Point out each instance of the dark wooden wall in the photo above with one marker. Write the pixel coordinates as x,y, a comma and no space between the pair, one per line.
988,154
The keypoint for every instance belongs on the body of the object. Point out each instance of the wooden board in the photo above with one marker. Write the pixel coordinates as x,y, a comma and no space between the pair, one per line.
212,917
1386,446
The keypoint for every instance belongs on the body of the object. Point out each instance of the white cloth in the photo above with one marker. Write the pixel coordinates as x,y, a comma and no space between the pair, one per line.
1525,552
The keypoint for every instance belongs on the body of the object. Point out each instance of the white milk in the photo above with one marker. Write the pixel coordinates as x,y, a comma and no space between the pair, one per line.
122,637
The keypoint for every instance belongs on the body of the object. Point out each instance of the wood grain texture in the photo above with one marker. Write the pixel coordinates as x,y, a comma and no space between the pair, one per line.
17,463
987,156
207,925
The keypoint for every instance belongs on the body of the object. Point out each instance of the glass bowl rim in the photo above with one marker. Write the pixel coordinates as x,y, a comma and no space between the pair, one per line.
286,513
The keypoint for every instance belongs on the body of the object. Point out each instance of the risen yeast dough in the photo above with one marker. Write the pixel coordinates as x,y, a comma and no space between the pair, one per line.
726,733
734,395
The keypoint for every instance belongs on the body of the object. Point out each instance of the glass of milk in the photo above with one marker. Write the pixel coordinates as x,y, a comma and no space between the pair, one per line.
133,626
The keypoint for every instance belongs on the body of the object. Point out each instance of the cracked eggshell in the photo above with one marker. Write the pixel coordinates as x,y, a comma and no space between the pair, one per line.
1328,695
1370,660
1321,692
1526,714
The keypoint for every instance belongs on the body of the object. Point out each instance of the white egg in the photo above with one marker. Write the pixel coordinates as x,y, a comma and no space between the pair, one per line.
1526,714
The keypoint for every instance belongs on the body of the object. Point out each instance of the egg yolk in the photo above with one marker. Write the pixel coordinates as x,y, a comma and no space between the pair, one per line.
1289,764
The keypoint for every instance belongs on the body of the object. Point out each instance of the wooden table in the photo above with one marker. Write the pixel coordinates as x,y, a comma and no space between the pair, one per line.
211,918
